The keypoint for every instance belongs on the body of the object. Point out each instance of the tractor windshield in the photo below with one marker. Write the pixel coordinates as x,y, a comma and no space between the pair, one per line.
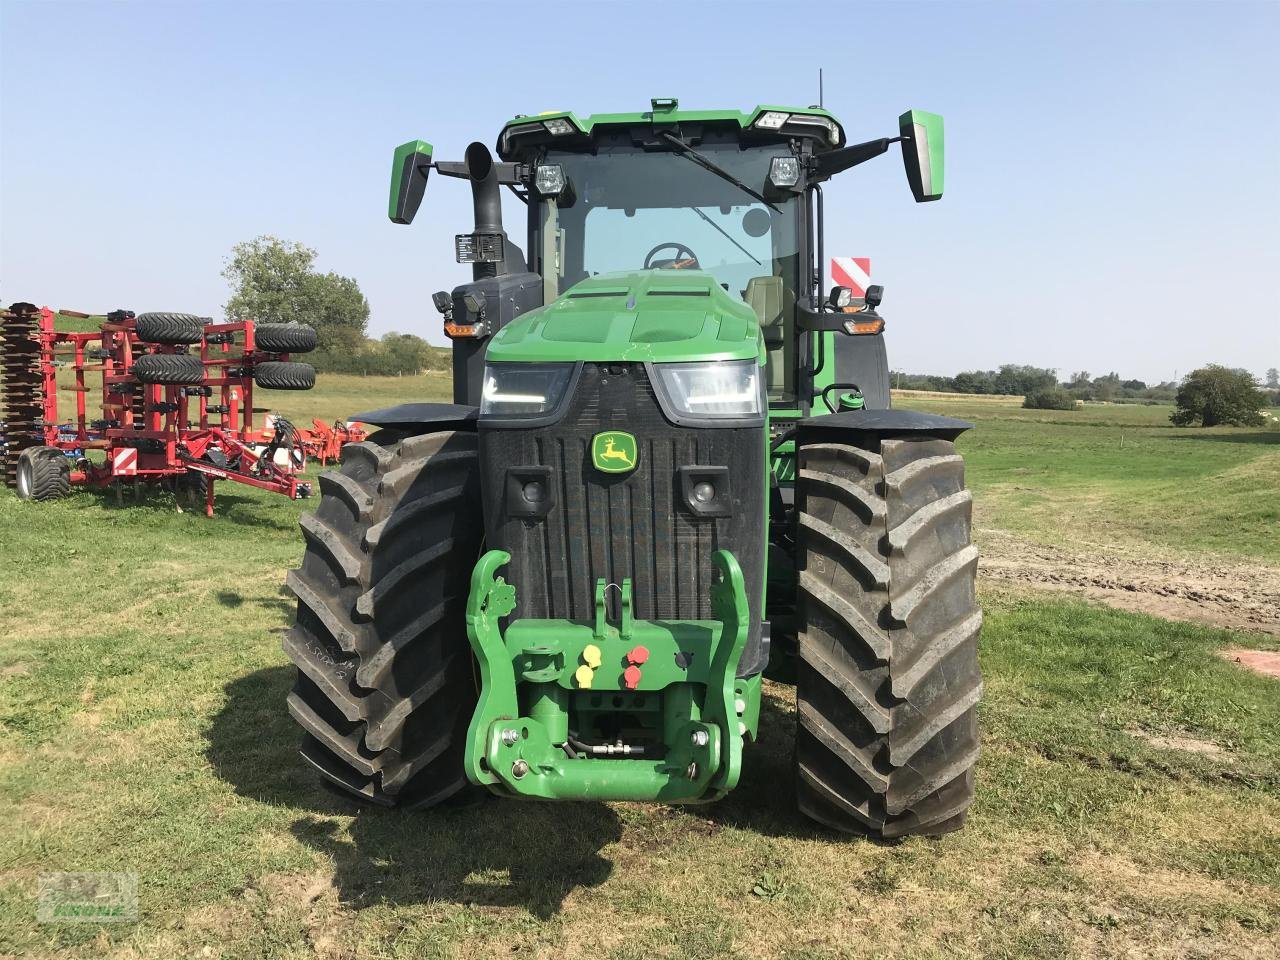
636,209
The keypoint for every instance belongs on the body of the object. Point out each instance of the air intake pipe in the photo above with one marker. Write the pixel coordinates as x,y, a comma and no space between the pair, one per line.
487,202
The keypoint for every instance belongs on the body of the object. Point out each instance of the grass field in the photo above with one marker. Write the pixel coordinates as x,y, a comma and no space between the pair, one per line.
1128,798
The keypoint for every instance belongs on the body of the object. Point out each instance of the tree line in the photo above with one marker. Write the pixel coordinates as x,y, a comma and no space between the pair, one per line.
276,281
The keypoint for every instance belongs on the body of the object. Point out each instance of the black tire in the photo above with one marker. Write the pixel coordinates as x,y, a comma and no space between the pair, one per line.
385,688
284,337
284,375
888,679
169,327
175,369
43,473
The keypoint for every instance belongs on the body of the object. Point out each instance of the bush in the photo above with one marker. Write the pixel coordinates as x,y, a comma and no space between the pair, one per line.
1219,396
1054,399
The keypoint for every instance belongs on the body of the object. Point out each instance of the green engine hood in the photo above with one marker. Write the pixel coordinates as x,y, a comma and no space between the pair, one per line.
649,315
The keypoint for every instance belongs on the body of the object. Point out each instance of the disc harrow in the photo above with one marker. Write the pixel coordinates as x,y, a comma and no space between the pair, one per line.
177,401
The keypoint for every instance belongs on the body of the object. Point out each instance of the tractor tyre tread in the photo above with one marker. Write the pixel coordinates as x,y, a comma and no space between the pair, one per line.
385,686
284,375
887,732
50,473
284,337
172,369
171,328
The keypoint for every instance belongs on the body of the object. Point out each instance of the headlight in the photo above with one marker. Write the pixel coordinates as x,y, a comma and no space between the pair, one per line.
523,389
723,389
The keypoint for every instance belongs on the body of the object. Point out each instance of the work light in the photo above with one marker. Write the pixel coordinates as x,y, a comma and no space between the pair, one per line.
558,126
772,120
549,179
784,171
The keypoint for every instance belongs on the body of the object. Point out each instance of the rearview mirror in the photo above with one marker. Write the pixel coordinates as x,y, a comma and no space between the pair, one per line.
409,171
922,153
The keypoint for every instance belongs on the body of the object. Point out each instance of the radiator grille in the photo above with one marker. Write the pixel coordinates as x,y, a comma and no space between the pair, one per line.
629,525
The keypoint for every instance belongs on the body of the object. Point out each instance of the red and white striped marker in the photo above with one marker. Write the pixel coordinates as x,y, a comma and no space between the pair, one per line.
124,462
851,272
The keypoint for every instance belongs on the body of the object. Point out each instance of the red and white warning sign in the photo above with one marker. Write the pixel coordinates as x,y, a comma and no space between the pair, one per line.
124,462
851,272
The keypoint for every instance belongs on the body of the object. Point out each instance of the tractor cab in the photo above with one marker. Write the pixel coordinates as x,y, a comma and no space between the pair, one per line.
733,196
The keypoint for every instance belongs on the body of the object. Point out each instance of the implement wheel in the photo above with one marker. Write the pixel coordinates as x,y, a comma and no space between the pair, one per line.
169,327
174,369
284,337
283,375
43,474
385,688
888,676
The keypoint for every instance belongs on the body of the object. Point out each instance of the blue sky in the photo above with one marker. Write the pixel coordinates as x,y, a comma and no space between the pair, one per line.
1113,169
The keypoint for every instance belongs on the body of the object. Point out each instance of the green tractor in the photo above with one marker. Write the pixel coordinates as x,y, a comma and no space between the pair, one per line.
670,469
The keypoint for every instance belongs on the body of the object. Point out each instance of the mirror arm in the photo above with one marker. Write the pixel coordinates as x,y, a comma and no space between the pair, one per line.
826,165
509,174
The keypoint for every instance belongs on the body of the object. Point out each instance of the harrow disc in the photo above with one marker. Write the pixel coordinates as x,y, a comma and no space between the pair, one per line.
21,386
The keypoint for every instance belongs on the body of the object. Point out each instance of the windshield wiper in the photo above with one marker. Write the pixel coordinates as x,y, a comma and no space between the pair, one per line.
707,163
723,233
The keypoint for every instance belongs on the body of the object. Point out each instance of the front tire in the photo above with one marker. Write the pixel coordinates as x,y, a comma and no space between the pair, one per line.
889,681
385,688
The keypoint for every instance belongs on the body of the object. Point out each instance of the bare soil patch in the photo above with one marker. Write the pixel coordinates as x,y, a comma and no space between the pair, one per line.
1210,590
1265,662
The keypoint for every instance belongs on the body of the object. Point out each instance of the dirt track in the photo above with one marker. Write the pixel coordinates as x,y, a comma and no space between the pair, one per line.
1223,593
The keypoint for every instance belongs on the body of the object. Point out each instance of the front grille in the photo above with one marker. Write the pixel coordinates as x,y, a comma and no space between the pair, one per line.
614,526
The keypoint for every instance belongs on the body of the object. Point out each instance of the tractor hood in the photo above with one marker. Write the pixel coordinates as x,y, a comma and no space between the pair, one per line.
645,316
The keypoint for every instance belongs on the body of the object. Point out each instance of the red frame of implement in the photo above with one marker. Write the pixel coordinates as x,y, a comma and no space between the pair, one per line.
157,419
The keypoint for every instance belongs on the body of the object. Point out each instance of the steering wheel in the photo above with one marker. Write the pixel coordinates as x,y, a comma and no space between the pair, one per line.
684,258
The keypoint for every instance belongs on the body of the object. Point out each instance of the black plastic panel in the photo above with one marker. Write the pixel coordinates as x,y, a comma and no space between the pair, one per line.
635,525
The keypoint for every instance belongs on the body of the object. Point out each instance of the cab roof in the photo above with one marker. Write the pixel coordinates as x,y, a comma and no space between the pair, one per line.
566,127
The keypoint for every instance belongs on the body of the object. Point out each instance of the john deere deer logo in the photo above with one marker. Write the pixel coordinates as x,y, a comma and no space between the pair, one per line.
613,452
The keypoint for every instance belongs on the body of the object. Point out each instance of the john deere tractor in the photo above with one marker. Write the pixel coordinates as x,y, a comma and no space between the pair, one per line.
670,468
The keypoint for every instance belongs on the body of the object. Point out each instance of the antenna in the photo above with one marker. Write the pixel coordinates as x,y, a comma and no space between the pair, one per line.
820,87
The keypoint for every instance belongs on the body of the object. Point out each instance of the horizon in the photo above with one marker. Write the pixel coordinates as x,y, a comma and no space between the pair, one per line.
1079,230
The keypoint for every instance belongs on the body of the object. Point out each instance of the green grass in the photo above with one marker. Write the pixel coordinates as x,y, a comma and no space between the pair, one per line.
143,728
1120,473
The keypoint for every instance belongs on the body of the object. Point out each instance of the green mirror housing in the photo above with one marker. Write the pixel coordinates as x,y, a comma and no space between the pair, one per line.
409,172
922,153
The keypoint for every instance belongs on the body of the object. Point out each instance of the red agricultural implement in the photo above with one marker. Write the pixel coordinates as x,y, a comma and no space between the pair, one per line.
325,443
176,409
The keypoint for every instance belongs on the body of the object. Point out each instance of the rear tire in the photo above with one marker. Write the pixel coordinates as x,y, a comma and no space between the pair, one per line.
284,337
43,473
173,328
888,682
385,688
283,375
173,369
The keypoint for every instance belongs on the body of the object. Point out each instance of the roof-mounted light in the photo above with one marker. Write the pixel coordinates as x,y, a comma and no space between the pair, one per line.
809,120
772,120
559,126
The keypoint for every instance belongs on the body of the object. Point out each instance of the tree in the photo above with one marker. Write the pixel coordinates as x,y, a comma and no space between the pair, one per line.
274,281
1273,379
1218,396
1015,379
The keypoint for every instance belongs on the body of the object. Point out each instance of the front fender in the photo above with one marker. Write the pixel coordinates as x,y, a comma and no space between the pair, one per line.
421,416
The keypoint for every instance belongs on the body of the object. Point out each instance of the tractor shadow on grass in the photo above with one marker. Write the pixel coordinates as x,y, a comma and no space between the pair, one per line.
764,799
475,852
